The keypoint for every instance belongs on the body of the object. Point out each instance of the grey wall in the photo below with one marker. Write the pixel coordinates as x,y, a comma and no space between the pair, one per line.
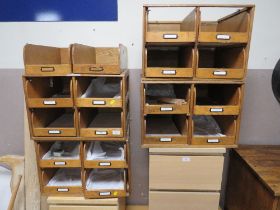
260,121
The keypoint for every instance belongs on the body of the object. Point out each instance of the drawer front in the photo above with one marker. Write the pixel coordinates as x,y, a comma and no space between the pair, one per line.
105,164
183,200
95,132
168,72
79,207
60,163
169,172
209,73
105,194
49,132
48,70
63,191
165,140
98,102
216,110
96,69
201,140
223,37
167,109
49,102
170,36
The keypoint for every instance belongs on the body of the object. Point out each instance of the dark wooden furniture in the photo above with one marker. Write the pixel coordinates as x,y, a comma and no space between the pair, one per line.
254,178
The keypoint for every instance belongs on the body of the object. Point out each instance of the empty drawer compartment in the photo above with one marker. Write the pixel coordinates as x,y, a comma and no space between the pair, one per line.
217,99
221,63
53,122
166,98
186,173
44,60
214,130
232,26
59,154
165,129
61,181
169,61
105,183
98,60
48,92
105,154
178,25
101,122
99,92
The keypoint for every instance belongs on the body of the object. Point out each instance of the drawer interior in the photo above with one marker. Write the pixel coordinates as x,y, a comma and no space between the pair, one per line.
99,87
220,19
169,56
44,55
221,57
98,150
217,94
167,125
214,126
53,118
158,94
49,87
100,118
62,177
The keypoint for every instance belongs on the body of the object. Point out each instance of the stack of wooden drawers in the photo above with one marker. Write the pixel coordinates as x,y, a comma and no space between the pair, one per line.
192,92
77,106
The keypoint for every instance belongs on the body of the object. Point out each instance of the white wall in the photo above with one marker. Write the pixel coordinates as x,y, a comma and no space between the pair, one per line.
265,48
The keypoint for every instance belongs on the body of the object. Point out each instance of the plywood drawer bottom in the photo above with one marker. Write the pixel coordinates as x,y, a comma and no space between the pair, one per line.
183,200
74,207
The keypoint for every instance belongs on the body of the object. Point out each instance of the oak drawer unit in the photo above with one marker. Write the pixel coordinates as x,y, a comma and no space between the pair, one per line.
99,60
47,61
254,178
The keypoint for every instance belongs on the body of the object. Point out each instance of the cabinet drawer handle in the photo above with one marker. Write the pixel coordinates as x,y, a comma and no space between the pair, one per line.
62,190
101,132
165,139
223,37
47,69
216,110
105,164
219,73
54,132
46,102
166,109
169,72
93,68
60,163
213,141
170,36
104,193
99,102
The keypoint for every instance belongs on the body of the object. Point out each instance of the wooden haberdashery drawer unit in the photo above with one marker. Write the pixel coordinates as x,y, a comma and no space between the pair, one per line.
101,91
214,130
169,61
99,60
105,154
217,99
221,62
47,61
61,181
63,154
166,98
105,183
48,91
233,26
161,29
165,130
102,122
48,122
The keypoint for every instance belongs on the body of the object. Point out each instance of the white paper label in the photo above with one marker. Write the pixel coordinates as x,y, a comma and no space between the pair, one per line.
223,37
166,109
186,159
54,132
49,102
101,132
116,132
60,163
165,139
213,140
63,190
169,72
105,164
216,110
220,73
170,36
98,102
105,193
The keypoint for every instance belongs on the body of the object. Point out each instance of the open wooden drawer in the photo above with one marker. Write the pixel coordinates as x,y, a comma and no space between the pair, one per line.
53,122
98,60
165,129
233,27
61,181
169,61
58,154
221,62
105,154
214,130
102,122
99,91
48,91
179,28
105,183
47,61
160,98
217,99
